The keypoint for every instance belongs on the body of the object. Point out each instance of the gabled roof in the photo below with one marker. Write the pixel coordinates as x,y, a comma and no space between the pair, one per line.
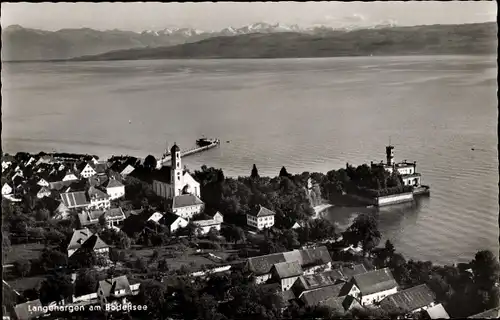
29,310
109,286
488,314
95,193
185,200
100,168
410,299
206,223
334,303
288,269
83,164
375,281
74,199
307,257
114,183
262,212
438,312
314,297
288,295
169,218
95,243
115,213
78,238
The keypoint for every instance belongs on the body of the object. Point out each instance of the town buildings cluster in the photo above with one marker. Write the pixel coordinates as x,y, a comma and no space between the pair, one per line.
91,190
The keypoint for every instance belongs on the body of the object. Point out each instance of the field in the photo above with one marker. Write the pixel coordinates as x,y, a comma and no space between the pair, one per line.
30,251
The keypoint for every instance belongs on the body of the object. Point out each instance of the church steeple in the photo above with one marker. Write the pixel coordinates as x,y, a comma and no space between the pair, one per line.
177,176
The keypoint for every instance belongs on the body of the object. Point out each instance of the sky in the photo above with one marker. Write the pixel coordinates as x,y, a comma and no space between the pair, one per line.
139,16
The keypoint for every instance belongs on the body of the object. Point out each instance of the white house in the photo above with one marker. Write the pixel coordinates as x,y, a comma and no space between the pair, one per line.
375,285
187,205
98,199
127,170
42,182
263,218
114,289
174,222
6,189
155,216
173,181
43,192
86,170
115,189
407,170
62,212
70,176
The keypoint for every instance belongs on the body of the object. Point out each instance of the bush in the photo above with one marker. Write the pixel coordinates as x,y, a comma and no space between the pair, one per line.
22,267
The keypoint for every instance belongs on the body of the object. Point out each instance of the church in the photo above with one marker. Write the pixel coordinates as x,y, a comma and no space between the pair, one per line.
173,182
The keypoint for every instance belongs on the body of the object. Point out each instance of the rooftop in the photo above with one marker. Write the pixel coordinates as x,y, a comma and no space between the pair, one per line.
437,312
488,314
318,280
206,223
314,297
263,212
74,199
410,299
185,200
78,238
109,286
112,183
288,269
375,281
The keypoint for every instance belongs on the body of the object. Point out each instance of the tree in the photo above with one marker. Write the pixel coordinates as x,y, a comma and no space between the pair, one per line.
364,230
85,282
255,172
42,214
389,248
22,267
56,287
150,162
153,294
283,172
102,220
163,265
213,235
52,259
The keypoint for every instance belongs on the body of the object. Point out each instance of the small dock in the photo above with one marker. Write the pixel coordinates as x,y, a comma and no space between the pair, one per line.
214,143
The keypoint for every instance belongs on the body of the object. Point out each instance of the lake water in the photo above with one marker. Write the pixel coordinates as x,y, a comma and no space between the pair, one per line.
305,114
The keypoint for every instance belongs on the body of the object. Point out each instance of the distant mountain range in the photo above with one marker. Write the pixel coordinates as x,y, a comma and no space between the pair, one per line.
21,44
258,40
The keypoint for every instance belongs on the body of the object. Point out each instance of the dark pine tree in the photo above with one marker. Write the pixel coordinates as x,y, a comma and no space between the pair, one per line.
283,172
255,172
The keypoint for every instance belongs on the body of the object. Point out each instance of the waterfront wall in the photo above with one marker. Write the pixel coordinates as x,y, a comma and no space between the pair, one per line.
395,198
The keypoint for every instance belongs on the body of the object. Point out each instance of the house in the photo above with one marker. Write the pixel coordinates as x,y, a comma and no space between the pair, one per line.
286,273
262,218
341,304
43,183
86,169
114,217
113,289
6,189
73,200
488,314
206,225
29,310
174,222
98,199
115,189
311,261
95,244
78,238
187,205
315,297
375,285
156,217
410,300
171,181
61,212
70,176
438,312
7,161
349,271
318,280
43,192
407,170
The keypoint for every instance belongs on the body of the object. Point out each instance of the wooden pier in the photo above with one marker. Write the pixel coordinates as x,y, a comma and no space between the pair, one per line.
167,158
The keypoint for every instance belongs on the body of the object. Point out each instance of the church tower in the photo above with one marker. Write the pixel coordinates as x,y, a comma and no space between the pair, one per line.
389,152
177,178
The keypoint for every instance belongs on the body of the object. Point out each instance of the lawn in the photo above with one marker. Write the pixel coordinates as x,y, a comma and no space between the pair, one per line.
29,251
174,263
21,284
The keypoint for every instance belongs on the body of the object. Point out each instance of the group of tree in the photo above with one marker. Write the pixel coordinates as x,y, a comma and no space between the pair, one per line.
286,195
